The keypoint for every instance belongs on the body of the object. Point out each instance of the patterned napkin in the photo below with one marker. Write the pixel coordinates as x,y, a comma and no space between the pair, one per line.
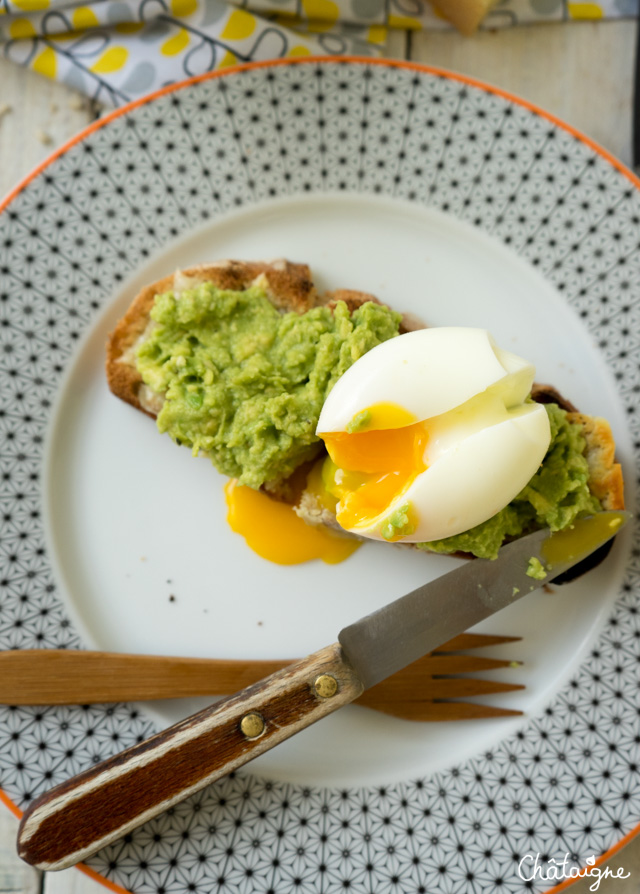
119,50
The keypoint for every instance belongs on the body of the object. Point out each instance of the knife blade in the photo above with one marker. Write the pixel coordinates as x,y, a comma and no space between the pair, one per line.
402,631
91,810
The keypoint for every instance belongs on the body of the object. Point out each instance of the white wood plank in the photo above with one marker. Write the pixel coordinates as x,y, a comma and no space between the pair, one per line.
18,878
71,881
15,876
582,72
627,862
397,45
40,116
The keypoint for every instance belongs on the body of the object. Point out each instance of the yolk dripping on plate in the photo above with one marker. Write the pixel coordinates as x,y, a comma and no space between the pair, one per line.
366,470
274,531
369,467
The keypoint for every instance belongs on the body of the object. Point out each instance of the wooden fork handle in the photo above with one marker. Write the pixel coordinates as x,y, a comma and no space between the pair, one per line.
89,811
80,677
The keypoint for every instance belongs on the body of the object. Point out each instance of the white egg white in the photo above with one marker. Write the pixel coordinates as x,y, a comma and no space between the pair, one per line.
484,442
427,372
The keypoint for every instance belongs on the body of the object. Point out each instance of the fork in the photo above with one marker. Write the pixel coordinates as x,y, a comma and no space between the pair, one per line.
426,690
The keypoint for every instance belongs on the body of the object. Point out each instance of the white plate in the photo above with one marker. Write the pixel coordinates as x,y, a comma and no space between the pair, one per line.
458,197
129,541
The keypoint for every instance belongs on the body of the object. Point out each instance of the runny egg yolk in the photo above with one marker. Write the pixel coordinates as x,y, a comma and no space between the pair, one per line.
370,467
274,531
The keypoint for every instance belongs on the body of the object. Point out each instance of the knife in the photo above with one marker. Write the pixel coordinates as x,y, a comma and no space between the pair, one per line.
101,804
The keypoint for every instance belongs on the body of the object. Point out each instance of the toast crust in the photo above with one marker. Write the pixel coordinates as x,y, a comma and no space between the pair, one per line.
605,474
290,288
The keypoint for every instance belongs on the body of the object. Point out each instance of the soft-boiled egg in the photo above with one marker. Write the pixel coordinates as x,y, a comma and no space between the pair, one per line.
430,434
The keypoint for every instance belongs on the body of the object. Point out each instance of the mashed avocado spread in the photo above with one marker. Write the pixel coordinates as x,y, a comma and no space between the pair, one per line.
245,383
556,495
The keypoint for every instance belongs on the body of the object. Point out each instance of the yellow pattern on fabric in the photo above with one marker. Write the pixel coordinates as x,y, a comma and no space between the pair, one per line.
32,5
84,17
21,28
176,44
240,25
63,36
318,26
377,34
129,27
183,7
324,10
128,52
112,59
46,63
227,60
404,22
585,10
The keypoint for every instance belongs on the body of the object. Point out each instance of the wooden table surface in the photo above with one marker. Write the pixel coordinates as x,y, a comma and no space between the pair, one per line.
581,72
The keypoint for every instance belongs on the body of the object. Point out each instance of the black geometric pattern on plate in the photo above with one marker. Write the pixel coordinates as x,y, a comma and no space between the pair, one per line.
569,781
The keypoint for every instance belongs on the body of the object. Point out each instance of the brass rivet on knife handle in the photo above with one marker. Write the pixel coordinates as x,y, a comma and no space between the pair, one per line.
325,686
252,725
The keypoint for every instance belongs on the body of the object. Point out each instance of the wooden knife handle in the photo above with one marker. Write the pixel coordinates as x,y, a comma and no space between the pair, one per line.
89,811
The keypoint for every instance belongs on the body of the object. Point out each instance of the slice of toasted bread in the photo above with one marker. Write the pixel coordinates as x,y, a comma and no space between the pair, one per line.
290,288
287,285
605,474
